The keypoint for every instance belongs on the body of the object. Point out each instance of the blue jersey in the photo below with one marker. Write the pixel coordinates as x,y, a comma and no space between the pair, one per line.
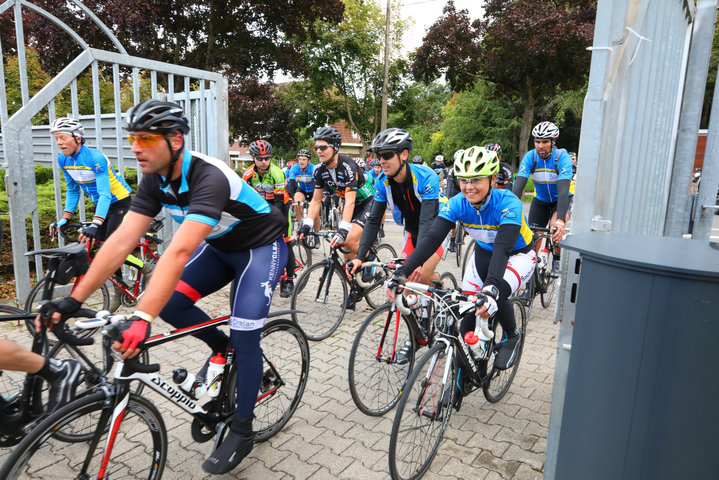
372,177
302,178
90,170
546,173
425,184
502,207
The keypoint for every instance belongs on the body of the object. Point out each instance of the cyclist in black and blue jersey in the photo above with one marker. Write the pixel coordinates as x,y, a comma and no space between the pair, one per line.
504,258
551,170
439,166
228,233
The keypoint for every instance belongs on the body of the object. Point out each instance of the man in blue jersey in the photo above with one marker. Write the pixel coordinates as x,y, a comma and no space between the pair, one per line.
299,183
551,169
504,257
89,169
228,233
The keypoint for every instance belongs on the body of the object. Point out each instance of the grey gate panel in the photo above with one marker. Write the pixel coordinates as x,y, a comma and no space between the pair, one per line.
203,95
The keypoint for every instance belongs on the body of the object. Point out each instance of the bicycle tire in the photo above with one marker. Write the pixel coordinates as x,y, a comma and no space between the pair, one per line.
549,284
303,253
141,426
319,319
11,382
500,381
449,281
99,300
376,295
468,257
424,410
376,383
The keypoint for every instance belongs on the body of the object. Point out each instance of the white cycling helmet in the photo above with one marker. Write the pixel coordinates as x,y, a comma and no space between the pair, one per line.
546,130
67,125
439,158
458,154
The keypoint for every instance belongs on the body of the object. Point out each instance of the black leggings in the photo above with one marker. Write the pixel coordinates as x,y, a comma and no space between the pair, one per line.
115,215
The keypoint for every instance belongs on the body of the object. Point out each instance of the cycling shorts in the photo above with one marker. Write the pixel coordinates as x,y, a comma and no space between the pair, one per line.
541,212
520,267
307,195
361,213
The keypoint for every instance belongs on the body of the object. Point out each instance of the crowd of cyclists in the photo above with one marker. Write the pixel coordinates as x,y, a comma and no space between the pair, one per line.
238,230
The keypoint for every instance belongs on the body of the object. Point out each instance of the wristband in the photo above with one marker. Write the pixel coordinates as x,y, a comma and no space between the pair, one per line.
309,222
559,221
145,316
345,225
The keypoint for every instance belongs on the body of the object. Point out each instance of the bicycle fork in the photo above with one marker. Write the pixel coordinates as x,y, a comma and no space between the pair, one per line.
326,276
437,389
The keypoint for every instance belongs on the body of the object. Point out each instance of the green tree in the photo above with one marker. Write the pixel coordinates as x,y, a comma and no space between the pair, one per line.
477,117
344,64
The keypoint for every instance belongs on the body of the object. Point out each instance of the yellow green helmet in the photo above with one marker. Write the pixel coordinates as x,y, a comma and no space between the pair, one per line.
476,162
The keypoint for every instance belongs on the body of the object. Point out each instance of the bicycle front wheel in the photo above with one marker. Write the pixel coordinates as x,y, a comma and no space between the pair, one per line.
99,300
139,443
549,284
459,243
303,253
422,415
499,381
377,371
376,295
468,256
321,299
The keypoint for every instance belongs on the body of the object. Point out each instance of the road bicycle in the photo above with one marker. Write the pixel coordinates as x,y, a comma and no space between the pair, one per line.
383,351
542,282
128,437
331,212
322,290
126,294
433,388
302,252
459,243
23,396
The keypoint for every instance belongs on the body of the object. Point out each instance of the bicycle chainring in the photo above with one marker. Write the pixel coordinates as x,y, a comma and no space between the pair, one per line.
200,431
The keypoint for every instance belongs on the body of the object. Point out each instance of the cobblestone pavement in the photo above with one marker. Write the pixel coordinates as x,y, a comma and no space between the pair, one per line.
328,438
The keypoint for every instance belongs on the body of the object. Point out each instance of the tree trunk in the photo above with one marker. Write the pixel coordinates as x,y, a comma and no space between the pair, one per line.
527,117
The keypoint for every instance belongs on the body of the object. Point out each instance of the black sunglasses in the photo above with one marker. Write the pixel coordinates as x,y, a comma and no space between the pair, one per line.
321,148
263,158
387,155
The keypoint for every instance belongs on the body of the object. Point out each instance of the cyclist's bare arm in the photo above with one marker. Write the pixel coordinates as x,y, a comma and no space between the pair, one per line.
112,253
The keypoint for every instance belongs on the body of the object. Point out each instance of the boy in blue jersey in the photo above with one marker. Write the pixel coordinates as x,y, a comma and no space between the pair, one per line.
89,169
299,183
228,233
551,169
504,258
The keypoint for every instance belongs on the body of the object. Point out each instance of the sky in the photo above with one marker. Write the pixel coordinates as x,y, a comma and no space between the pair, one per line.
426,12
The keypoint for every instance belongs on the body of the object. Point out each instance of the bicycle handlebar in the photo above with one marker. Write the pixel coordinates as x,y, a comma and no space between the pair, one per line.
392,265
65,335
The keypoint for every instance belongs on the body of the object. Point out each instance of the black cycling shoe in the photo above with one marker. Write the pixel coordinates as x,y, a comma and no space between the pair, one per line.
508,351
350,304
403,353
452,245
63,381
234,448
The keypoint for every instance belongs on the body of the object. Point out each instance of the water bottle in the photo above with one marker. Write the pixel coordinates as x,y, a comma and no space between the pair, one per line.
477,340
214,374
188,383
411,300
543,257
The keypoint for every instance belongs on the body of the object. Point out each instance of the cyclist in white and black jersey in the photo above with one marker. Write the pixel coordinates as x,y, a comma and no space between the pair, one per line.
228,233
339,174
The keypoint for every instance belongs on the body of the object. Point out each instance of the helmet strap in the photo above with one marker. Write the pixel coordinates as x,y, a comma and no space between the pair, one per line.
402,165
174,157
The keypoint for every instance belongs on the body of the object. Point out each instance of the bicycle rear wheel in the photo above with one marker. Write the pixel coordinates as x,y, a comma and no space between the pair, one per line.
376,378
500,380
303,253
99,300
139,449
422,415
321,298
448,281
549,283
468,256
376,295
459,243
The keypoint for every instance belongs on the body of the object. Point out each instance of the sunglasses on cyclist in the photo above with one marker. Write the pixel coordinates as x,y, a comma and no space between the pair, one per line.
387,155
145,140
265,158
322,148
470,181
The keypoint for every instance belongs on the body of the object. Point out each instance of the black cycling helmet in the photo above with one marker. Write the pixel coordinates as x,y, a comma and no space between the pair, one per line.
161,117
418,160
260,148
157,116
329,135
391,139
304,153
